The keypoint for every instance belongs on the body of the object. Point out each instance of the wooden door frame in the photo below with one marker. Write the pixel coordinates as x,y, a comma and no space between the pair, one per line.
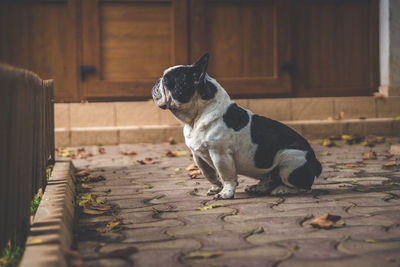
135,89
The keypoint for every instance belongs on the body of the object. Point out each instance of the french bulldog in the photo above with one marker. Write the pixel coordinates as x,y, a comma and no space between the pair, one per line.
227,140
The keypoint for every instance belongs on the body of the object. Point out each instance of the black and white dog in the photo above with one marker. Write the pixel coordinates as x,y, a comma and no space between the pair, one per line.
227,140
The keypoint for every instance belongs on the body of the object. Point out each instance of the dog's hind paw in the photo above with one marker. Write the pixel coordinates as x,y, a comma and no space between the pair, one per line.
227,192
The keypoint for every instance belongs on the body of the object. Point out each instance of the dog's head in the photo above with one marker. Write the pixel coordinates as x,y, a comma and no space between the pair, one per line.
182,84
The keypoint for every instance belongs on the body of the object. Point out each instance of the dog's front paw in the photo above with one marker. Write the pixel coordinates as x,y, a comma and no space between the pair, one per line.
227,192
215,189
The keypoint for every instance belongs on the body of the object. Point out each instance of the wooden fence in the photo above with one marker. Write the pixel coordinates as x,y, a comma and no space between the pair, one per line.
26,145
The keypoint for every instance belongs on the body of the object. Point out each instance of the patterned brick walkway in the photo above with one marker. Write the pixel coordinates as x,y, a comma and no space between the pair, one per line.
159,223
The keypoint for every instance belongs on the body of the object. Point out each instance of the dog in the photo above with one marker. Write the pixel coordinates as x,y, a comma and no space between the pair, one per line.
227,140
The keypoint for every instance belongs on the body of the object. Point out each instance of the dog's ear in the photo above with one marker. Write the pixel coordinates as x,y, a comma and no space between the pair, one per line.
201,66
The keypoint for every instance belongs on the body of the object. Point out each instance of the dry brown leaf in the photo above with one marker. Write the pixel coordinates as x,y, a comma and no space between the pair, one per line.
370,155
129,153
91,178
354,165
390,164
109,227
81,155
170,153
192,167
388,155
82,173
85,186
146,161
92,211
326,221
193,174
102,150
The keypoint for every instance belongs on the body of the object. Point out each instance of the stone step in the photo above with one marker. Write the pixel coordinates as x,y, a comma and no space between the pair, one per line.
114,135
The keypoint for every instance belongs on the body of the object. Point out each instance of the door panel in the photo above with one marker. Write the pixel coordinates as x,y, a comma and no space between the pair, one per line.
248,42
336,47
130,43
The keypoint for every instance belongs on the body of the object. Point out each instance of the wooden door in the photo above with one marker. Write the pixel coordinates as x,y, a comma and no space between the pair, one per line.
248,41
127,45
335,47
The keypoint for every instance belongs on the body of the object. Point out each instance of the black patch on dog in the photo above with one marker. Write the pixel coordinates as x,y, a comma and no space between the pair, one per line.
155,92
181,83
235,117
303,176
272,136
207,90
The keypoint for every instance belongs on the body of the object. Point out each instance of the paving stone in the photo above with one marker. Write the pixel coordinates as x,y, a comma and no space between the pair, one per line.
182,244
160,205
367,246
259,256
364,261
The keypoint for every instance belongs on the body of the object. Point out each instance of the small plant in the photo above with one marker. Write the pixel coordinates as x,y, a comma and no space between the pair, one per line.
36,201
12,254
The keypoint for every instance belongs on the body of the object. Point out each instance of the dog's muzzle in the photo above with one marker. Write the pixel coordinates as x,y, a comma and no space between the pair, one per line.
159,95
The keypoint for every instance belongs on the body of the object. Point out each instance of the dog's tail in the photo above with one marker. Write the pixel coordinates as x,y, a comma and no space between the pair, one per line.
316,166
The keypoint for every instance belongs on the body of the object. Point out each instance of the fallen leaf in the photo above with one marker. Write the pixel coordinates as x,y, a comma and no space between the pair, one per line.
203,255
65,152
388,155
192,167
91,178
294,248
122,253
194,174
81,173
146,161
171,140
370,241
257,230
102,150
182,152
354,165
380,139
326,221
326,153
170,154
129,153
397,118
212,206
368,143
194,192
92,211
81,155
108,227
85,186
327,143
370,155
390,164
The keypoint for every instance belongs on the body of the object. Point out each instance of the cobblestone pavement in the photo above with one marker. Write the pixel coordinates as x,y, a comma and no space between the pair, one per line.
156,207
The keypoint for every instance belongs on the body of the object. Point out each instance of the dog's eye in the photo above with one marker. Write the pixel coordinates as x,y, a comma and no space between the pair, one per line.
169,83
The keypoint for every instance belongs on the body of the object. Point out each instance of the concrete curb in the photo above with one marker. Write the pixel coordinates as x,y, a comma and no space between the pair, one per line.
52,228
161,133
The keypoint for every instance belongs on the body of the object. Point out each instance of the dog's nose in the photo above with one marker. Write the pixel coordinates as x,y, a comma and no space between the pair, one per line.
163,106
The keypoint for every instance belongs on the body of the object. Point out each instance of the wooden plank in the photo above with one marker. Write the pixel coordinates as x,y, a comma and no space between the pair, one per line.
43,38
336,47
